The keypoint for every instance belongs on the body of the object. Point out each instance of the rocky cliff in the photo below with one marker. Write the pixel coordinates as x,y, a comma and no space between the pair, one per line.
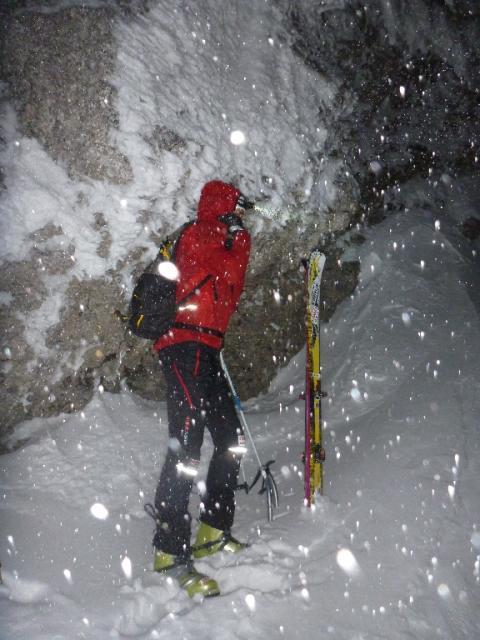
115,113
63,276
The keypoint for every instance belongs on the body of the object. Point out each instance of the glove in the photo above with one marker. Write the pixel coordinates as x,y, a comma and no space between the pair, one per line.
234,224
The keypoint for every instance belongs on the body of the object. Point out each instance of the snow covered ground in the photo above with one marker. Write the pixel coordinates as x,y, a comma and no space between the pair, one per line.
391,551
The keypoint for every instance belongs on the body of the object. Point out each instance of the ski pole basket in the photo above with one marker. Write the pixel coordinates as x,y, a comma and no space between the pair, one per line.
268,487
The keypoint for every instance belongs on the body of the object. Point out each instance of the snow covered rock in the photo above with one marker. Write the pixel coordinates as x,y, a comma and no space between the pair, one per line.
114,116
58,65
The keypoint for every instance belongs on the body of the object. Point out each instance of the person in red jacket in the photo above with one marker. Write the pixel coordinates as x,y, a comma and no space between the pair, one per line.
212,256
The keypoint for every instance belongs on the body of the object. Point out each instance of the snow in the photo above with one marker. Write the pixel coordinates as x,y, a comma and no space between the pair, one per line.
391,550
393,547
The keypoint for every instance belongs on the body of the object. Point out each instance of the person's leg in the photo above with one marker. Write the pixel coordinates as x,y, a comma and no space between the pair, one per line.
186,427
227,433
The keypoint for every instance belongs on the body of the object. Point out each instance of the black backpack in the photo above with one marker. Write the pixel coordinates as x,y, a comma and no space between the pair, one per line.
153,304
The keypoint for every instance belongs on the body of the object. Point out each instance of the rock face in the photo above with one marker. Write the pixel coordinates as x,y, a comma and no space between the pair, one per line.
405,111
57,64
411,73
269,327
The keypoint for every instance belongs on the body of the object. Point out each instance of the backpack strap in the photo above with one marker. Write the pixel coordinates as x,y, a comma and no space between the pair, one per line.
195,289
193,327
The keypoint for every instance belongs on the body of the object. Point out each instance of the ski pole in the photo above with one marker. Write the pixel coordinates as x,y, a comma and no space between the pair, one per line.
269,486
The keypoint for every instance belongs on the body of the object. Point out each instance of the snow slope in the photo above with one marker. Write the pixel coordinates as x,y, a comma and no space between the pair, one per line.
391,551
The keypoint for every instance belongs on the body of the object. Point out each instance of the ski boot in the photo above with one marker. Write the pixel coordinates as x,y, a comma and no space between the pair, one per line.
210,540
183,571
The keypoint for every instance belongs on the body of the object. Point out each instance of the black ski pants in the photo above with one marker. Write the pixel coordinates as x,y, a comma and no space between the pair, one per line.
198,396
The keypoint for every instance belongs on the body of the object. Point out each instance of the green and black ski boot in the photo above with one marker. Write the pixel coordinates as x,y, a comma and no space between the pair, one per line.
187,576
210,540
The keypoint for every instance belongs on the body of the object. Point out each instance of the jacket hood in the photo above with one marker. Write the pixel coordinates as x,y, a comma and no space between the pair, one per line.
216,199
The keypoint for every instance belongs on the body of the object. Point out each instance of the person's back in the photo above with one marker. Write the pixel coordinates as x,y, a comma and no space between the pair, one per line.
209,247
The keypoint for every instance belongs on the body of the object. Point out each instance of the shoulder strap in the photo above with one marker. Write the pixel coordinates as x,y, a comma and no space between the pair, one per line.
195,288
168,247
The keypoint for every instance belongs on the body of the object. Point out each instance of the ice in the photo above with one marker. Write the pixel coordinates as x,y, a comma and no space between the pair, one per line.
475,540
237,137
443,590
7,352
127,568
99,511
250,601
305,594
356,395
347,561
286,471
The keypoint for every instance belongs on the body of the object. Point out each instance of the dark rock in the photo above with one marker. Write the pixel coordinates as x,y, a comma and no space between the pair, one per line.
471,228
58,65
164,139
416,112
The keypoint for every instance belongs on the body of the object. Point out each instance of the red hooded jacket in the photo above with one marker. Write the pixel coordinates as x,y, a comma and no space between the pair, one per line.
201,252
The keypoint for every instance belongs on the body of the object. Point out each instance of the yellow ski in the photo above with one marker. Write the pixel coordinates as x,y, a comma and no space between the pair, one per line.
314,452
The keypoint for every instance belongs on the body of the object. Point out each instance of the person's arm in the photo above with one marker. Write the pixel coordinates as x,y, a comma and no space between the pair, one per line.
208,254
221,250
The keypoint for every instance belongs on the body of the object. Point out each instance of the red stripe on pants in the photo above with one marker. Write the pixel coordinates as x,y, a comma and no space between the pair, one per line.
184,387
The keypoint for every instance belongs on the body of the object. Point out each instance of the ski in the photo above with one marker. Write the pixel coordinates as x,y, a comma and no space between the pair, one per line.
314,451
